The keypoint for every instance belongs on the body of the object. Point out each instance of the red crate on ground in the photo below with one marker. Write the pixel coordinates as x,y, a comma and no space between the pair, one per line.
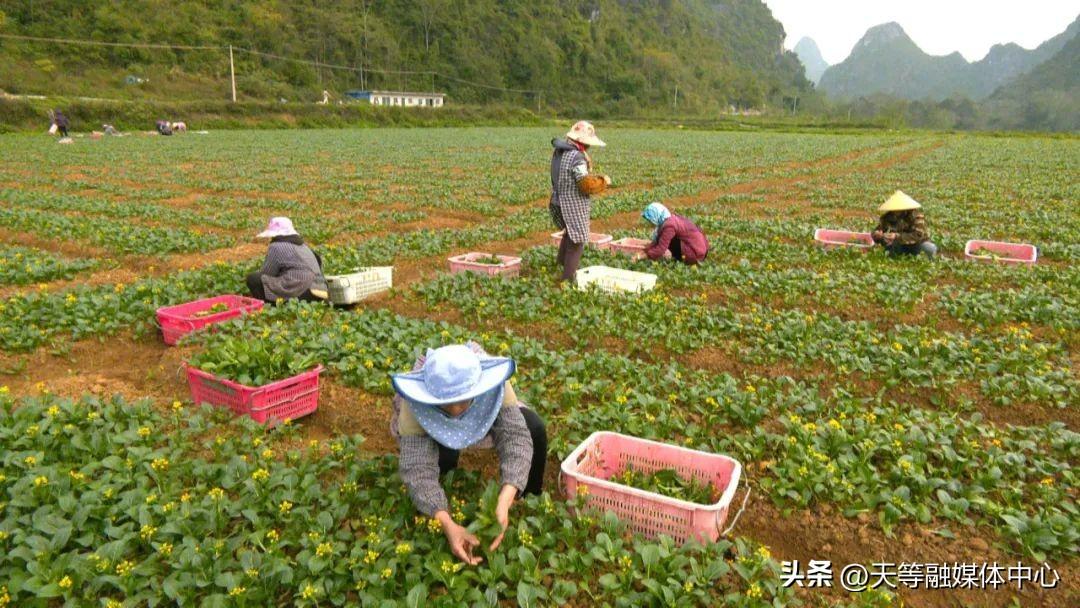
998,251
271,403
605,454
182,319
596,239
509,266
843,238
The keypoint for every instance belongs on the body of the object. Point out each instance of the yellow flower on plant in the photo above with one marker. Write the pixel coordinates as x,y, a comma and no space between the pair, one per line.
92,416
386,573
165,549
237,591
835,424
251,572
52,411
30,461
260,475
1047,481
177,406
763,552
185,497
144,431
403,549
40,481
324,549
273,535
370,557
65,583
216,493
754,591
125,568
147,532
159,464
308,592
284,507
268,453
32,430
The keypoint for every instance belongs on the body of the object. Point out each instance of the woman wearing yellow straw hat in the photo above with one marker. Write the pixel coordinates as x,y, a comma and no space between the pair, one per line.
902,228
572,185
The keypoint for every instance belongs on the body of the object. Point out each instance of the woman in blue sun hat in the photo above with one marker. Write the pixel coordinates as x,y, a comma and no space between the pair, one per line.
457,397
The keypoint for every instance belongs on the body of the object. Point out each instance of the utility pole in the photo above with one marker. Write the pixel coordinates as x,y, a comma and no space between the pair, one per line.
232,74
675,104
794,104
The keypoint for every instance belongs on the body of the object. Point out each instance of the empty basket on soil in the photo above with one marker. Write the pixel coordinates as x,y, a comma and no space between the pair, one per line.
269,404
843,238
596,239
588,470
614,280
361,283
998,251
485,263
182,319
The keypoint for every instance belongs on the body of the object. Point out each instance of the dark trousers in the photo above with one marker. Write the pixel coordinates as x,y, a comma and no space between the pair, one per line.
926,248
675,247
569,256
448,459
255,286
63,131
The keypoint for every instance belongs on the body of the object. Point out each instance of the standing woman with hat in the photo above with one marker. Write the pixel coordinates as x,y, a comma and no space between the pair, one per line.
291,269
902,228
456,397
572,185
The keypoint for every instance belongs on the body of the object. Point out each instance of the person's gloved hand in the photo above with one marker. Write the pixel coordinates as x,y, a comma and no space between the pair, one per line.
607,180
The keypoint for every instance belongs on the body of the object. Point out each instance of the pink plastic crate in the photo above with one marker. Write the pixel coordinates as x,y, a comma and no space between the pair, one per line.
605,454
466,262
635,248
596,239
843,238
1007,253
180,320
271,403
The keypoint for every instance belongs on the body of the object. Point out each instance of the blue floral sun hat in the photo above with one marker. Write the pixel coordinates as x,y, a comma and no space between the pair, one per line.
450,375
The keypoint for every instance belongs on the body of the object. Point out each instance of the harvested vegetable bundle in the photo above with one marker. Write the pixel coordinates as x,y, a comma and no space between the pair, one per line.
668,482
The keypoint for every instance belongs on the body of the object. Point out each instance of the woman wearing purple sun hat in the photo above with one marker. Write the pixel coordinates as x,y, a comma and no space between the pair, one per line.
457,397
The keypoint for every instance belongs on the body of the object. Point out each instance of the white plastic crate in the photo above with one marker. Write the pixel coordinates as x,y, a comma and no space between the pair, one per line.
615,280
359,284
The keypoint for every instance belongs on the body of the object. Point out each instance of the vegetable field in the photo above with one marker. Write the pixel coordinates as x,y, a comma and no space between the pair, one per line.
885,410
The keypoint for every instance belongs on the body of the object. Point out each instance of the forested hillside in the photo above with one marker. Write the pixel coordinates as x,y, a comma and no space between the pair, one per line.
595,56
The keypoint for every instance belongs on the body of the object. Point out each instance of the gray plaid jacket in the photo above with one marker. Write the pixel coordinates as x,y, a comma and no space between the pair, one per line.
569,208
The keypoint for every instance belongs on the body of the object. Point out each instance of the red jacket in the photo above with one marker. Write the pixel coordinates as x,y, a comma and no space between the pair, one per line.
692,242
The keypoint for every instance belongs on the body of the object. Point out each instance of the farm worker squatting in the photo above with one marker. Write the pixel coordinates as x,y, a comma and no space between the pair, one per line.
902,228
674,233
572,185
291,269
457,397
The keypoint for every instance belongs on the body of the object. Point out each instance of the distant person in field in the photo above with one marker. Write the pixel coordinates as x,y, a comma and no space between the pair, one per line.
572,185
902,228
675,234
179,127
163,127
454,398
291,270
61,122
110,130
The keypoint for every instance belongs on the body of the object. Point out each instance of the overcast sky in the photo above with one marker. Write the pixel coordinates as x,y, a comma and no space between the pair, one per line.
939,27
